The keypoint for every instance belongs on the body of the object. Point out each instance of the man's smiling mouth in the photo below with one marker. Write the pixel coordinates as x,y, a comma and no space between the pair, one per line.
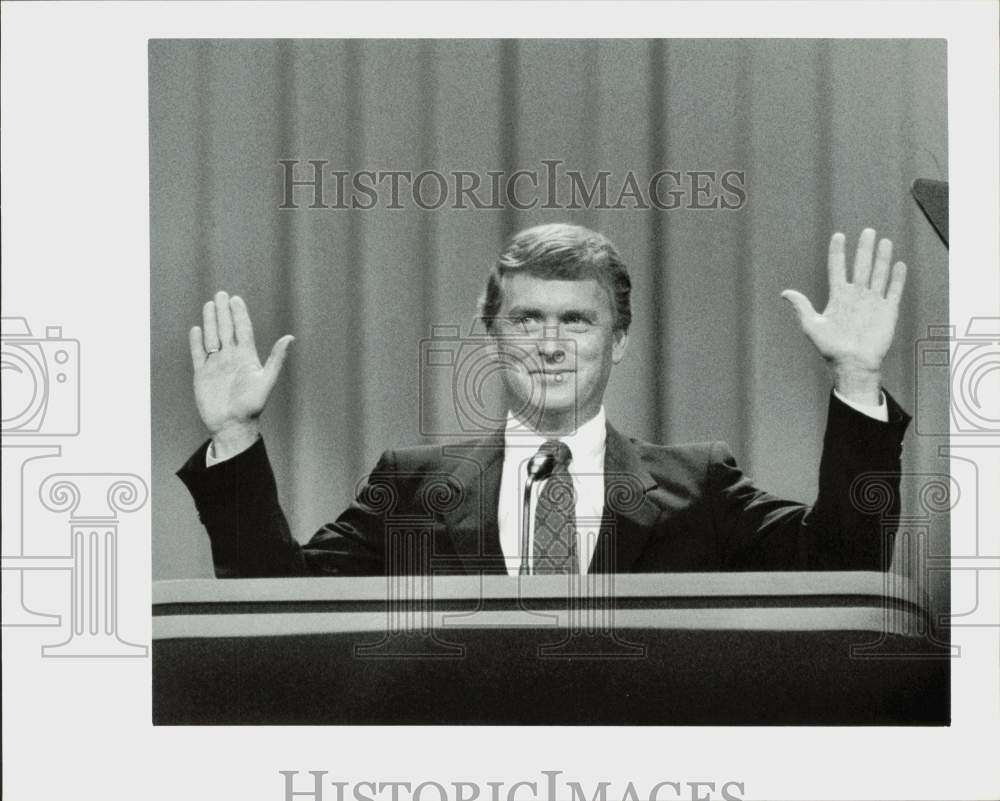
556,376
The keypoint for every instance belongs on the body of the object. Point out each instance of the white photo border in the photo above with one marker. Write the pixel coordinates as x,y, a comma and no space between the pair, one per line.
75,249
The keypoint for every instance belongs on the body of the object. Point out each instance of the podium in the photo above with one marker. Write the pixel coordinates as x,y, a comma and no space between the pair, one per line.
645,649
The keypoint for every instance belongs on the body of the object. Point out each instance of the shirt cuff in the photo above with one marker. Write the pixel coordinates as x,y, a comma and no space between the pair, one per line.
880,412
212,459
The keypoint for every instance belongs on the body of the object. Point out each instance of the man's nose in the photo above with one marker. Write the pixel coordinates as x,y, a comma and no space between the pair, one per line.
550,346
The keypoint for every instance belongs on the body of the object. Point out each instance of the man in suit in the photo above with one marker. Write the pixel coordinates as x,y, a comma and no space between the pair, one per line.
557,307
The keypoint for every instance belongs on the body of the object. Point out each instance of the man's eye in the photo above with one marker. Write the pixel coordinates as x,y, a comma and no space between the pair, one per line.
519,323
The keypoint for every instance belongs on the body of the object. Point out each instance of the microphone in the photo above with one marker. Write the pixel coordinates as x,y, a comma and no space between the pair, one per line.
540,467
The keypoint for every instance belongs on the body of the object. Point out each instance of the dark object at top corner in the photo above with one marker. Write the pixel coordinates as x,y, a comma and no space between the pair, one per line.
932,197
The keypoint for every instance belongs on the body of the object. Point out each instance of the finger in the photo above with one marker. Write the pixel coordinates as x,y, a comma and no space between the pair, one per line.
863,257
897,282
836,263
225,318
198,354
883,260
272,367
803,308
241,323
211,328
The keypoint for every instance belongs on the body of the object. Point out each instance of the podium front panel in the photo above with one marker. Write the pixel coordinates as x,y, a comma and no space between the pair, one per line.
681,649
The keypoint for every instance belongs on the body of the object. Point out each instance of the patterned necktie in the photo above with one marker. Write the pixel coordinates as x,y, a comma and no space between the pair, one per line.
554,550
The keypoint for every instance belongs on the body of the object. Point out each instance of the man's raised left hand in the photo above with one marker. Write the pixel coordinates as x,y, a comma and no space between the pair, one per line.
855,330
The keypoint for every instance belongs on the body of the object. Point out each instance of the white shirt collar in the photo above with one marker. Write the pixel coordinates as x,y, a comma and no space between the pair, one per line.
586,443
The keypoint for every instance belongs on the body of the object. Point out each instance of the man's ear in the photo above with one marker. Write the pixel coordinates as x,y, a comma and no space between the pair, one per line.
618,346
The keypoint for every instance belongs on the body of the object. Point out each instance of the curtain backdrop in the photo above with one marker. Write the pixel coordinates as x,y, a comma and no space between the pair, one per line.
829,135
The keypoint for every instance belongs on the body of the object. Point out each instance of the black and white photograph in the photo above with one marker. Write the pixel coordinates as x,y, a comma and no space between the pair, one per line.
500,400
564,370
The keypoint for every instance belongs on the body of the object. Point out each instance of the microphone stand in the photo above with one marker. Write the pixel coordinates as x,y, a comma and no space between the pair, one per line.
525,522
539,467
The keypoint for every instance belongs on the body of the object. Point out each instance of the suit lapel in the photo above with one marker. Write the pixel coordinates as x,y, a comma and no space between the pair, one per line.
629,516
472,525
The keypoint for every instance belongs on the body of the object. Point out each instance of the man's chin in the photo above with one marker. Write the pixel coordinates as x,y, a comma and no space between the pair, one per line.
535,402
550,416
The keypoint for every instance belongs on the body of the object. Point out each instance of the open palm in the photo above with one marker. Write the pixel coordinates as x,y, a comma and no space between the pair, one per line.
855,330
231,386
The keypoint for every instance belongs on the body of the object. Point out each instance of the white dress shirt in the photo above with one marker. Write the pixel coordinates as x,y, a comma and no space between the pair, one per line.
586,469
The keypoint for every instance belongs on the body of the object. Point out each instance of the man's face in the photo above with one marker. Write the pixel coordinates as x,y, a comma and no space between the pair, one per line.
557,343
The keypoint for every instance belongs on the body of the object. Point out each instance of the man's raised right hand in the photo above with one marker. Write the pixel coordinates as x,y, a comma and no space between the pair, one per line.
231,386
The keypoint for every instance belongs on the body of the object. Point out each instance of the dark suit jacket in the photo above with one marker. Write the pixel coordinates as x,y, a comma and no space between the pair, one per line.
667,508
